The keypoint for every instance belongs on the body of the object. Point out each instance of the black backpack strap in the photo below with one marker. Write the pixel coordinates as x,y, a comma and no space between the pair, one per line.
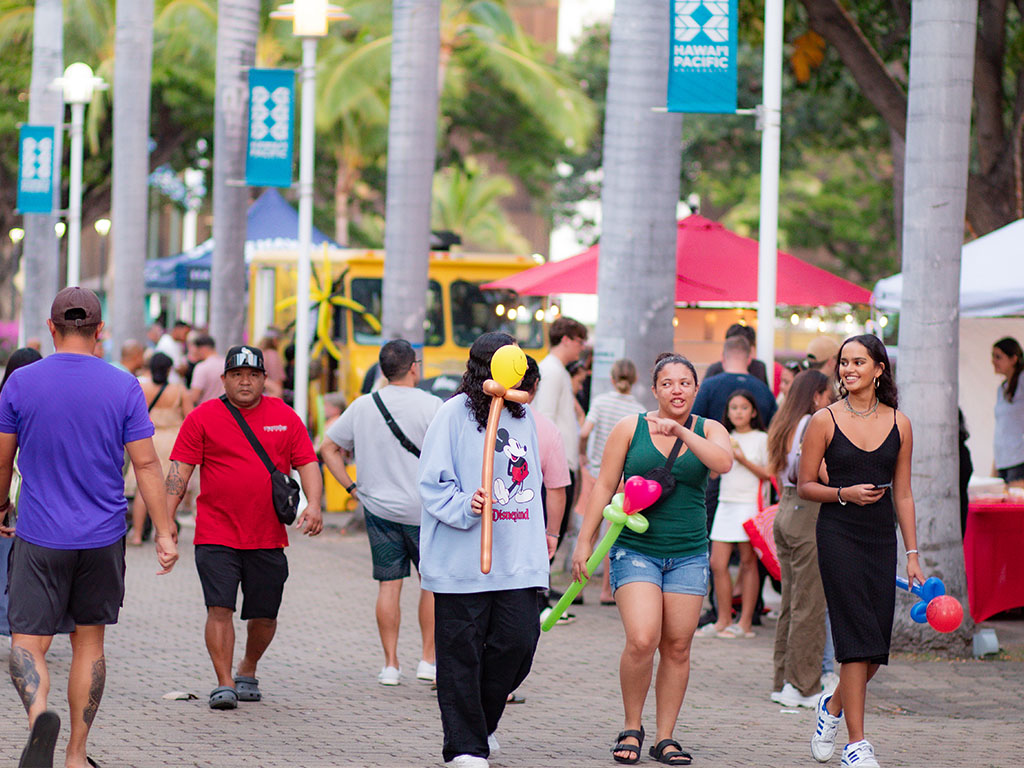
673,454
150,409
395,429
247,431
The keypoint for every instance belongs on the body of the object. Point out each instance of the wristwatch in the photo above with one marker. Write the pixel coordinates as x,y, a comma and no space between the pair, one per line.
348,488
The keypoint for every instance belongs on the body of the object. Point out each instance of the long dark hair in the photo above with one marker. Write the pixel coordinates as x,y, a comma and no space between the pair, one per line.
19,359
756,422
478,370
1010,347
798,403
886,389
160,367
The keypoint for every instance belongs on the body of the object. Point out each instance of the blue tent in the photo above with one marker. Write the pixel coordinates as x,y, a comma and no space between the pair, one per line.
271,224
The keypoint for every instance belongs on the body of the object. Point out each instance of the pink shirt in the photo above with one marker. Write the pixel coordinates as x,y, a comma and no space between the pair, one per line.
553,466
206,378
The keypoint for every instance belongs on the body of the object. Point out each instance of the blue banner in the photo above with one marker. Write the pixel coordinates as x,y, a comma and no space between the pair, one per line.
36,145
702,56
268,161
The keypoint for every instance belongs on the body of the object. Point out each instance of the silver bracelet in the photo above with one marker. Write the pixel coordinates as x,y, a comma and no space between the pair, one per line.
911,552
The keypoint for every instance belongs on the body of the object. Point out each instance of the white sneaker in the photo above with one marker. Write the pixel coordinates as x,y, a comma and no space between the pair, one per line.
823,741
789,696
390,676
426,671
859,754
493,745
468,761
829,682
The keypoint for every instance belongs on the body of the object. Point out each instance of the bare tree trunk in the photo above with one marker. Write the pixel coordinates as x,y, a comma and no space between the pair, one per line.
412,140
237,30
344,180
133,64
642,151
41,249
937,152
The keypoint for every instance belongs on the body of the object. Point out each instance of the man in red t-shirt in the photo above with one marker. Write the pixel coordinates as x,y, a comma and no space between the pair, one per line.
238,539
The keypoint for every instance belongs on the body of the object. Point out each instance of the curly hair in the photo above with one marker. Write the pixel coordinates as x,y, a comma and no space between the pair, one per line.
668,358
885,386
478,370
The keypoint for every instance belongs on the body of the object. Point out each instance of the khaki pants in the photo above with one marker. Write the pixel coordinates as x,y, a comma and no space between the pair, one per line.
800,635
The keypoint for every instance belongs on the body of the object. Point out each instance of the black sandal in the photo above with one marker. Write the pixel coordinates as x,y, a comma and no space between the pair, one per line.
672,758
635,749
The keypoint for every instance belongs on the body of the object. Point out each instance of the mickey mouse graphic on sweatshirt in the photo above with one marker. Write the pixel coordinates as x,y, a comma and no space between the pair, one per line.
518,470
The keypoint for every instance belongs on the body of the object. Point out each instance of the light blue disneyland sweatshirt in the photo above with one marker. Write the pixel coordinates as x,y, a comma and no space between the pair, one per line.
449,474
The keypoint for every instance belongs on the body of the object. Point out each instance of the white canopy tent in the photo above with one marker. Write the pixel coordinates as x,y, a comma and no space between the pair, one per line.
991,276
991,292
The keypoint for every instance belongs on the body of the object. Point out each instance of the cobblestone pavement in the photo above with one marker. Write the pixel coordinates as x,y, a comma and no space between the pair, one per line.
323,707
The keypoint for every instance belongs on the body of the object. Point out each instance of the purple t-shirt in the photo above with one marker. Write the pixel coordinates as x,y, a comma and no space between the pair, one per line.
73,415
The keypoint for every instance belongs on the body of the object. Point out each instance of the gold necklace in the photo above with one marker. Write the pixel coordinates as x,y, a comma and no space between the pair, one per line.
862,414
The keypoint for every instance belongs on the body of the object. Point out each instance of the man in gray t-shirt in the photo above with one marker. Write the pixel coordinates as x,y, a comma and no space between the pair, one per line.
384,431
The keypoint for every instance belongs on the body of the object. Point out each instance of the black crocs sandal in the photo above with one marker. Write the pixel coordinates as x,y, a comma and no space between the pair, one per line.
42,739
670,758
635,749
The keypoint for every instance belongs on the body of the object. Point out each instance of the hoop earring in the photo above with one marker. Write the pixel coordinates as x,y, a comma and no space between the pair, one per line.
842,390
876,381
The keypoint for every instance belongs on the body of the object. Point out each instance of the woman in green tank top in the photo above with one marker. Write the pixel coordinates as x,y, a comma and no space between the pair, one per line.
659,577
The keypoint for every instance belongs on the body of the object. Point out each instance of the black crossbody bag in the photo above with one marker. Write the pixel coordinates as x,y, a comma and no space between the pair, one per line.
285,490
396,430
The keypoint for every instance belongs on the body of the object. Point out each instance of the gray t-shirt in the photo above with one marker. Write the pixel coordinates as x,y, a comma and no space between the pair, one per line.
387,472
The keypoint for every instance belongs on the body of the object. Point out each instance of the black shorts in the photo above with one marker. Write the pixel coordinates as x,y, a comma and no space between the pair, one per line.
53,590
1012,474
261,573
392,546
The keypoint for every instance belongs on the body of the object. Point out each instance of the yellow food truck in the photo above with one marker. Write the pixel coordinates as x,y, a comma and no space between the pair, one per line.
346,305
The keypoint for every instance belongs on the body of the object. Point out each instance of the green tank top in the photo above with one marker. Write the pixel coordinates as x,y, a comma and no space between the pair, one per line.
678,521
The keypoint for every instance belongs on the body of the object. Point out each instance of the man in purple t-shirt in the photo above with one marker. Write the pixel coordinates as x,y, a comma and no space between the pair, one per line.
73,416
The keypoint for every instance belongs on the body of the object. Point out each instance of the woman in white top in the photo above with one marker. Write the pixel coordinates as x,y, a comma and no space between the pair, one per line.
606,410
1008,441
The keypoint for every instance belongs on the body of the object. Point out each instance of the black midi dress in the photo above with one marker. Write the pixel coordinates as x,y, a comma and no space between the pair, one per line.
857,550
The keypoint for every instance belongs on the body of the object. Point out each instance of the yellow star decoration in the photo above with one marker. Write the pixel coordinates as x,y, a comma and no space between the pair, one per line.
325,299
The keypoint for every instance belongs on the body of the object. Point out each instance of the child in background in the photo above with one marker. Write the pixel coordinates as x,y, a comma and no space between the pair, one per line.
737,502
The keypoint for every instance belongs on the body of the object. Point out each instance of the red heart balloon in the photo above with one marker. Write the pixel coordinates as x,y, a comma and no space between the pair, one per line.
640,494
945,613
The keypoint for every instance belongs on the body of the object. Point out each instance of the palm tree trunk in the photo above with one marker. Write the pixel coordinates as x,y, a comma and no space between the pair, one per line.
237,30
642,152
412,139
133,64
344,181
937,151
40,249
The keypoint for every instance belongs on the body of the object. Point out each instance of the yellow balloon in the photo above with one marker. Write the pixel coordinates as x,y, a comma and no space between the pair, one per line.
508,365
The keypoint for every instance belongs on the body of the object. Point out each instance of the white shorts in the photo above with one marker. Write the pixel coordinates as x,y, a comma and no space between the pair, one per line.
729,519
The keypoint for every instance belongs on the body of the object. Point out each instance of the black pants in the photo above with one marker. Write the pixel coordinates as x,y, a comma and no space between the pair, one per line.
484,643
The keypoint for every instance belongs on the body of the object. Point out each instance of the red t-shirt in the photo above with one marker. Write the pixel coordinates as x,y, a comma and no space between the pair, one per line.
235,508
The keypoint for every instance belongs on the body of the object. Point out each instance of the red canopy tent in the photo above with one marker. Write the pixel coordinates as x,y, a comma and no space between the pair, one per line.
712,264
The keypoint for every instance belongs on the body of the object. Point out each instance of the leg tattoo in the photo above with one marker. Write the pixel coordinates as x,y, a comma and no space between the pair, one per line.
24,675
99,679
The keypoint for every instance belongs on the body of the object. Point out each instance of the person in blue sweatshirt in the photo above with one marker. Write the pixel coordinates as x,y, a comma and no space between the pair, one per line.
486,625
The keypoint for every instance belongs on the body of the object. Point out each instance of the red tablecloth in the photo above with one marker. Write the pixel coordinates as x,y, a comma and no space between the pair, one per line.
994,557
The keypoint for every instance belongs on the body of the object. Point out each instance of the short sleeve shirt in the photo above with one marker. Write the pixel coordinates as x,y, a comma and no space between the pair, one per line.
235,506
73,415
553,467
206,378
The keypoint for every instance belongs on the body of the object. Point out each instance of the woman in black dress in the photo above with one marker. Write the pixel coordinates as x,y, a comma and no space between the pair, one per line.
866,445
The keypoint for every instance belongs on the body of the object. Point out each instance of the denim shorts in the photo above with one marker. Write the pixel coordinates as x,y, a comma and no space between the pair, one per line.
679,575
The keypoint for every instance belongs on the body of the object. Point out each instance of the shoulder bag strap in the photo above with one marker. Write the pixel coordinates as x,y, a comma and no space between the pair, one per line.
247,431
150,409
395,429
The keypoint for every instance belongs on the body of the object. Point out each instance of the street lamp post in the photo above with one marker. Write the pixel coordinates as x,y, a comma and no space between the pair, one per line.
78,84
102,227
309,22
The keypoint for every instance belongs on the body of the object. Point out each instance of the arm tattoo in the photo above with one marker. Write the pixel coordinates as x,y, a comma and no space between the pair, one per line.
24,675
99,679
175,483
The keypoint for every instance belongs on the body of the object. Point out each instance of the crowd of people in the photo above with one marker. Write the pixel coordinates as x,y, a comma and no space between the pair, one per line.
828,436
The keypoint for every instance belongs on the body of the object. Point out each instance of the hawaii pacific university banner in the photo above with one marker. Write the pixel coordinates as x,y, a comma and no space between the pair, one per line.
702,56
36,146
268,160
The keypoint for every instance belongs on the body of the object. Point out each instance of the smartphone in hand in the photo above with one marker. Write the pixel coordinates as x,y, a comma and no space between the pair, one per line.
882,487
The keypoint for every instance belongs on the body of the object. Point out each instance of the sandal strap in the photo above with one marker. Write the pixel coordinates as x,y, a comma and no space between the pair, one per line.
638,735
658,753
620,747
